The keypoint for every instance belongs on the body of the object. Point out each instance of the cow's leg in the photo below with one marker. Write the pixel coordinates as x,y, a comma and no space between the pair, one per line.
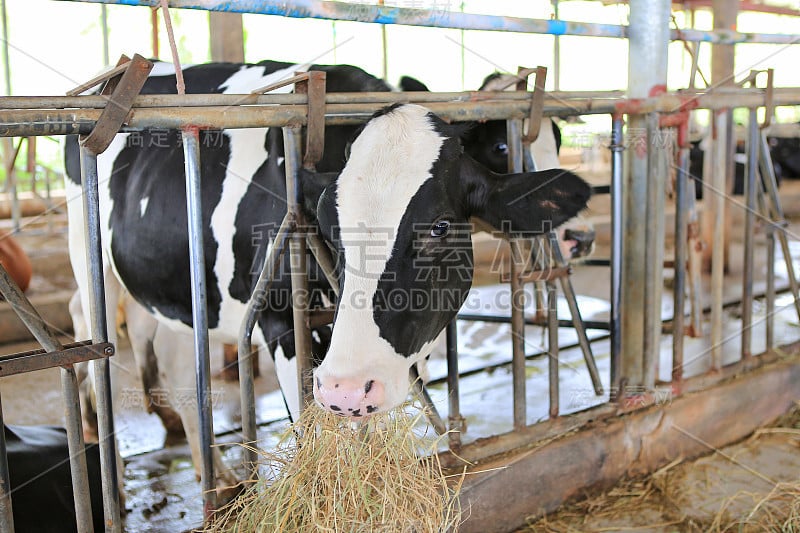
175,356
141,327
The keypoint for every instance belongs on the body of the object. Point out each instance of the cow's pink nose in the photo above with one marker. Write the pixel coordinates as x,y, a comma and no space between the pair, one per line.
348,396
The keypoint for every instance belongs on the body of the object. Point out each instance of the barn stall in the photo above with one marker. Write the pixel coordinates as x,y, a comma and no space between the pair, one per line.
592,446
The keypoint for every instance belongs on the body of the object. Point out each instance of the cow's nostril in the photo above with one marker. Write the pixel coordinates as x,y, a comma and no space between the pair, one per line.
368,386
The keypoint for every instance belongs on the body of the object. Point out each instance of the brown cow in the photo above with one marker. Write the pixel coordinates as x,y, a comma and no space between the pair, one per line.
15,260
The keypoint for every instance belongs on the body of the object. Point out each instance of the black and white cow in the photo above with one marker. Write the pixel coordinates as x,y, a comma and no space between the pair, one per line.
397,216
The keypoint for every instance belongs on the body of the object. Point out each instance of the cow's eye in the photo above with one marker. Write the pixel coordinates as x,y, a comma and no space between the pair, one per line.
440,229
501,148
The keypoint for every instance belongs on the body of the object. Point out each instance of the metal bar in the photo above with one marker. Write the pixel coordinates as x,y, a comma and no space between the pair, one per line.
77,450
577,320
292,139
654,251
6,515
543,273
6,61
770,297
770,289
191,153
518,335
519,264
104,31
98,321
771,186
440,18
588,324
554,101
29,122
97,80
40,359
255,306
552,347
679,268
430,408
749,221
324,260
717,204
456,421
617,147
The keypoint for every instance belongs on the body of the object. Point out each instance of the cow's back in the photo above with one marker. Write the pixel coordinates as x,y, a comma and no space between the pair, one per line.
243,196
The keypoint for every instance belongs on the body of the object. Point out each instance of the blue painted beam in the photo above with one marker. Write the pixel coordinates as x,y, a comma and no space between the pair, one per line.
445,18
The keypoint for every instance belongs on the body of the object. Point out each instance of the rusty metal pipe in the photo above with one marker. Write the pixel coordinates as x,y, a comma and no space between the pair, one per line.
679,280
552,348
99,331
292,138
749,221
31,122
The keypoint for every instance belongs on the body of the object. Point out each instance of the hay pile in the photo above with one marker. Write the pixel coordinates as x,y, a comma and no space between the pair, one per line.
328,474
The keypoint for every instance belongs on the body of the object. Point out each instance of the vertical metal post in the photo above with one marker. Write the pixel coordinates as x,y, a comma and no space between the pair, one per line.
455,420
556,53
191,154
104,31
552,347
770,296
6,61
647,74
681,235
247,395
518,264
518,334
6,515
617,146
97,312
654,251
292,139
715,197
749,220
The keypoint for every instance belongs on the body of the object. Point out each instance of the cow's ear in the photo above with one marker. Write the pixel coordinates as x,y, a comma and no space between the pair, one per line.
409,84
313,183
526,203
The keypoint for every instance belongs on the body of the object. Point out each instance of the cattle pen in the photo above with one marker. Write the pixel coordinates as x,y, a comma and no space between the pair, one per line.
633,429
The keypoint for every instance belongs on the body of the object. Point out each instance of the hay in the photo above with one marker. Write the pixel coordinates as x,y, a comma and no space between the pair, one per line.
328,474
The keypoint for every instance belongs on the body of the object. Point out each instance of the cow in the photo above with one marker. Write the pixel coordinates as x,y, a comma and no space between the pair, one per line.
406,193
784,152
487,143
15,261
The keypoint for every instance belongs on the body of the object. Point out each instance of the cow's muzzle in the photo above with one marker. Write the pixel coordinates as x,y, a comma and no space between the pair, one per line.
351,397
581,242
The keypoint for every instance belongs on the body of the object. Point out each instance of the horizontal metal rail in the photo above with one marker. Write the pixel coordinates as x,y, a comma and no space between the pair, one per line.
77,352
447,18
32,122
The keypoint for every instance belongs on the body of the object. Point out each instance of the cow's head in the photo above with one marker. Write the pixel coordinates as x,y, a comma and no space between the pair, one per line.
398,218
487,143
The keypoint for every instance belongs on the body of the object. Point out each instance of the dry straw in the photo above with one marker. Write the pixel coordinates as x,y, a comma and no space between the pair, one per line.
329,474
